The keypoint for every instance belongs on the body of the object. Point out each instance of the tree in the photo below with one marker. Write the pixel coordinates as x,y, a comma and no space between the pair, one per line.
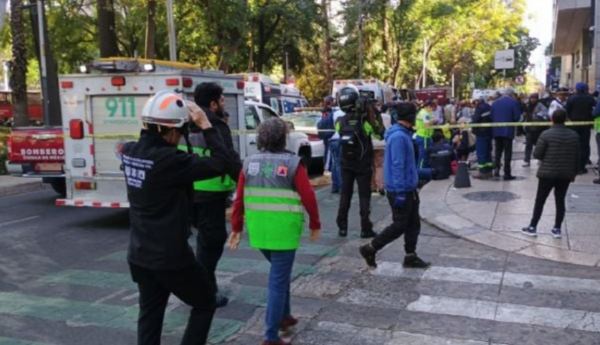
18,75
107,28
151,30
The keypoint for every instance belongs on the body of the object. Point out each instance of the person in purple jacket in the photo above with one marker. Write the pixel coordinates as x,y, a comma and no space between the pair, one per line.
505,109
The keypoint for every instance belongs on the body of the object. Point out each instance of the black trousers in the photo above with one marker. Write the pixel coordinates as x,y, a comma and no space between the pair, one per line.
212,235
545,186
585,136
532,137
504,146
190,285
363,179
406,221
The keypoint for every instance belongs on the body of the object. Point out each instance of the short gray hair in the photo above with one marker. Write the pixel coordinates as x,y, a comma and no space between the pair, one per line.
508,91
272,135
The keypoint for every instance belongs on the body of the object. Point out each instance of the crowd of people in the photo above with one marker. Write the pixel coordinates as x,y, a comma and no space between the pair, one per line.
186,168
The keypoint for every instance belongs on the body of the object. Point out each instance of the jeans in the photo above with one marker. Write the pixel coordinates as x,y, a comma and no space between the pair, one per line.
585,134
280,277
531,140
405,221
326,159
336,169
483,146
504,146
363,180
191,285
545,186
212,235
377,183
423,144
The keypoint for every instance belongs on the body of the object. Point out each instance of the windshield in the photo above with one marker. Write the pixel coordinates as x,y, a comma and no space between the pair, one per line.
304,120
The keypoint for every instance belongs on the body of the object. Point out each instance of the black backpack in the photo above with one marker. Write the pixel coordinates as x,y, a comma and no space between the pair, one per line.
352,138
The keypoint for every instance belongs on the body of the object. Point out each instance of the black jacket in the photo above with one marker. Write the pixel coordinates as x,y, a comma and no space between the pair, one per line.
558,149
235,164
482,115
159,180
580,107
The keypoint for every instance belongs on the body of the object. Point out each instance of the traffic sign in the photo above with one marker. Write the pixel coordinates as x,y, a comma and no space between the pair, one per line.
520,80
505,59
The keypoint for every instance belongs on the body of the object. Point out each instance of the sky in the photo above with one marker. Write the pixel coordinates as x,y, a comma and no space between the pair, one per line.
539,21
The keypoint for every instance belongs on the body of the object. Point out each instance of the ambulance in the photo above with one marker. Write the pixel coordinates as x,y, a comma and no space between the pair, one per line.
371,88
100,112
281,97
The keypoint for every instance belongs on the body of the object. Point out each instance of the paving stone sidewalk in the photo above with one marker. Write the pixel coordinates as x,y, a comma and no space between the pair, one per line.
493,213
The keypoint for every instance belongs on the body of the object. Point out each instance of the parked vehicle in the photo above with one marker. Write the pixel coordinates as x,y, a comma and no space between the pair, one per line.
306,122
371,88
281,97
34,107
441,93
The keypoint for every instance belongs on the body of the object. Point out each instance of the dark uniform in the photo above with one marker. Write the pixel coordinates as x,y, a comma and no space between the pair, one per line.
159,179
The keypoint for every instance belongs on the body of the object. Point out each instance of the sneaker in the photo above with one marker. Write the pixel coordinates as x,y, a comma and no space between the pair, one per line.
368,234
556,233
288,322
509,178
276,342
413,261
222,301
369,254
597,181
530,231
343,232
526,165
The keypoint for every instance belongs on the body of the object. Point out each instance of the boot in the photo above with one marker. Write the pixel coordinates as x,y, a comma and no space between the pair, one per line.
369,254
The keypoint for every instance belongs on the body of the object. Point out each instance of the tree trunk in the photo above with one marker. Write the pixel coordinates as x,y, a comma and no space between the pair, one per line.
328,67
18,75
385,31
151,30
107,29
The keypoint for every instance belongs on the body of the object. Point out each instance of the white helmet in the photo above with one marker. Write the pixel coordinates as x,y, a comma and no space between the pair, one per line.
166,109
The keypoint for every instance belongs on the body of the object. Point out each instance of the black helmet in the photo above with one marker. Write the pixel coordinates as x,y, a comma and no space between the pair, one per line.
347,97
404,111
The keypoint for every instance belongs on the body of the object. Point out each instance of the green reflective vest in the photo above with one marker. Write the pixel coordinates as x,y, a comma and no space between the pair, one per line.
422,130
273,209
216,184
597,124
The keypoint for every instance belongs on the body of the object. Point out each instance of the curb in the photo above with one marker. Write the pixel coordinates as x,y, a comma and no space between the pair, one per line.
21,188
437,213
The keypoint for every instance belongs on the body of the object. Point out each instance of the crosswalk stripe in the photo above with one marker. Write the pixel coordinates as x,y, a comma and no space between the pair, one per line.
506,312
84,314
465,275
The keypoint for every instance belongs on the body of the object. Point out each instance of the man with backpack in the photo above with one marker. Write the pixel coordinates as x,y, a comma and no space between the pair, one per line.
326,128
355,130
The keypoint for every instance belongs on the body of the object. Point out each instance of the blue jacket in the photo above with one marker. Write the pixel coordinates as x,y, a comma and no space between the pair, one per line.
505,109
400,167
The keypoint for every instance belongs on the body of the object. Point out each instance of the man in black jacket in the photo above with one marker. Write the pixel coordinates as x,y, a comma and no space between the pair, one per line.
210,196
159,178
558,150
579,109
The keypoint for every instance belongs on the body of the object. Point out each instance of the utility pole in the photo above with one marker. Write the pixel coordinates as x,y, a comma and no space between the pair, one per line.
360,40
171,29
287,68
424,63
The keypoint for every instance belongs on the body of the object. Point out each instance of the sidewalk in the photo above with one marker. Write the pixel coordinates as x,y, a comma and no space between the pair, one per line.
493,213
10,185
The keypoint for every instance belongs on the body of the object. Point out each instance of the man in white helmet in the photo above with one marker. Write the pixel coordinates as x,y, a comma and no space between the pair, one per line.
159,184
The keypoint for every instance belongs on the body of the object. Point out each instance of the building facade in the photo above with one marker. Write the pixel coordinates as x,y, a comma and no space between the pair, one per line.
576,40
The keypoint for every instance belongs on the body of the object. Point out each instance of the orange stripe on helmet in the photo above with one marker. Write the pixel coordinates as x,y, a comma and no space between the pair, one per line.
165,103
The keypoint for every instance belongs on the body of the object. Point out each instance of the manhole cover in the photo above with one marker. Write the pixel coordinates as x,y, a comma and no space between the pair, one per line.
491,196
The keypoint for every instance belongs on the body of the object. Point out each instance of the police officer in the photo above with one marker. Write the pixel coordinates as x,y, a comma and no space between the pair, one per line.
355,129
210,196
401,180
159,179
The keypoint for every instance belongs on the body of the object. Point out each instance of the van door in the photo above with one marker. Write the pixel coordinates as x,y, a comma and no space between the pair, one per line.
252,121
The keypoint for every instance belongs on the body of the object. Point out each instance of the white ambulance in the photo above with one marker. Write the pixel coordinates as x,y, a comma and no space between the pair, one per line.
370,88
101,111
281,97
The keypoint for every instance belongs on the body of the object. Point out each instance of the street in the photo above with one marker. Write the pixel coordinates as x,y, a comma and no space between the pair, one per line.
64,281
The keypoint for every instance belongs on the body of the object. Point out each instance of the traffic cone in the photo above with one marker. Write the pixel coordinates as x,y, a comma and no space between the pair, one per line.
462,179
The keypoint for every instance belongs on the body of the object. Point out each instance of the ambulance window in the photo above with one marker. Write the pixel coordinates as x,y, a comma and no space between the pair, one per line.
275,104
267,113
252,120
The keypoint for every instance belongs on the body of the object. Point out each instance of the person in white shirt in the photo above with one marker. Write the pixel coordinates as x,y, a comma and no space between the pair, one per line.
559,102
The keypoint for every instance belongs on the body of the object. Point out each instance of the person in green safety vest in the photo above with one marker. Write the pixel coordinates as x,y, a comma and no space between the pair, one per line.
273,192
210,196
596,115
423,134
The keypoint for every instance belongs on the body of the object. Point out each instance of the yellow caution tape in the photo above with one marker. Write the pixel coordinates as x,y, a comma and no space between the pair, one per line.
248,131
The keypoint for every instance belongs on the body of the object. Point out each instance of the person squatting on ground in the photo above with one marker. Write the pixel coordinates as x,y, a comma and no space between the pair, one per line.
579,109
273,192
210,196
536,112
401,179
558,149
159,180
423,134
356,128
505,109
483,140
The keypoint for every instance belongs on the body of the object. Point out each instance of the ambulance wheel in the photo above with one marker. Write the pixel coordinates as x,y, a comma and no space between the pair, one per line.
59,185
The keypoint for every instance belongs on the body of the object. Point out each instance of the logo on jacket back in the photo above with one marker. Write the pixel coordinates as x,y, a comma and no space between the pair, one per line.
282,171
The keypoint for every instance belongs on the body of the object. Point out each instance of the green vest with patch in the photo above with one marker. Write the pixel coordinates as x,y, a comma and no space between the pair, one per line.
420,125
273,209
216,184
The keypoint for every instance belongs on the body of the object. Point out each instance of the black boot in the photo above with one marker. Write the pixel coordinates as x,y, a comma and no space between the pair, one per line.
368,234
343,232
369,254
413,261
